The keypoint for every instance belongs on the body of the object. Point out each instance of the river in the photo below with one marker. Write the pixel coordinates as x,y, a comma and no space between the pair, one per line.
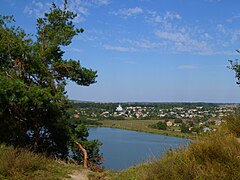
123,148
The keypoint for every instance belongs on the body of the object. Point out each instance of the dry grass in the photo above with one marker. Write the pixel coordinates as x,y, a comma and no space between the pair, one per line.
214,157
233,124
22,164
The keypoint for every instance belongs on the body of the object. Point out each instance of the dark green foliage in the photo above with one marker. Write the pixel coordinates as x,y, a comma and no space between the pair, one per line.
185,129
23,107
235,67
80,134
160,125
33,75
178,120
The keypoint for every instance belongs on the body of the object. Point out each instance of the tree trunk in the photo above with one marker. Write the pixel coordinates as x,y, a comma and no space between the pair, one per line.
36,137
84,153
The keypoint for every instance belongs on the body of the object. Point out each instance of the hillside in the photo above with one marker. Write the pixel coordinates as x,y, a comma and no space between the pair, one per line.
22,164
215,157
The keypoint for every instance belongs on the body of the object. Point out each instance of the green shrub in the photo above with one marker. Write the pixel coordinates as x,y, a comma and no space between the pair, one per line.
160,125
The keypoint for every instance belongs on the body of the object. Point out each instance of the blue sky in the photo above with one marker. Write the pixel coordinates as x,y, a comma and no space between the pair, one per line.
149,50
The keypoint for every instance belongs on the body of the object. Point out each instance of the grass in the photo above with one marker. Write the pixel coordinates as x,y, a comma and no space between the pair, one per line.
143,126
216,156
233,124
22,164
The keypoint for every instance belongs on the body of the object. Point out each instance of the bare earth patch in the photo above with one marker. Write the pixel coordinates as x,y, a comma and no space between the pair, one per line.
80,175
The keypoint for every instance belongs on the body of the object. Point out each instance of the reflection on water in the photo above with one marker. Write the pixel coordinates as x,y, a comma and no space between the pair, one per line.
122,148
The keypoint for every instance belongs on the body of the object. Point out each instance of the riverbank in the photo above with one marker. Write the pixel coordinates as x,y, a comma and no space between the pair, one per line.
215,156
142,126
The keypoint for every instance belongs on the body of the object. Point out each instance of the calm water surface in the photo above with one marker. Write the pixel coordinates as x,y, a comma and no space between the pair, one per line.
123,148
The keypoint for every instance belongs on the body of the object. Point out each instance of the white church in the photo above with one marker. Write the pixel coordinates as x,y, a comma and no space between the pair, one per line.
119,108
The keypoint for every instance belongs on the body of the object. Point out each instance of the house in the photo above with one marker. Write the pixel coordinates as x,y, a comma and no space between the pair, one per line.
190,128
206,129
76,115
218,122
105,113
169,123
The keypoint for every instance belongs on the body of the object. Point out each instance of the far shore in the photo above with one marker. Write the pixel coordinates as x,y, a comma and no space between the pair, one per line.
143,126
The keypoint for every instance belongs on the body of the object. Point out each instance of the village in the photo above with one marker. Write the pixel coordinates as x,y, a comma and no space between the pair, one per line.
185,118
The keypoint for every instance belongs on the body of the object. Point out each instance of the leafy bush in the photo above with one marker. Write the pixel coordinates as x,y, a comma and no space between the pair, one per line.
160,125
185,129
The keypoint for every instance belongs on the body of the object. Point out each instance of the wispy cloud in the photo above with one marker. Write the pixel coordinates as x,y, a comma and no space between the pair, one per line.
179,37
37,8
118,48
91,3
233,18
127,12
213,0
142,43
226,35
83,7
11,2
165,19
176,37
74,50
220,28
184,42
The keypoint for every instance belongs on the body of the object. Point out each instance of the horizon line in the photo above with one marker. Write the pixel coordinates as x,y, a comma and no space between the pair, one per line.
190,102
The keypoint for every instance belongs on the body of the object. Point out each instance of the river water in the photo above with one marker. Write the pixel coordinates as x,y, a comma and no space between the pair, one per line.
123,148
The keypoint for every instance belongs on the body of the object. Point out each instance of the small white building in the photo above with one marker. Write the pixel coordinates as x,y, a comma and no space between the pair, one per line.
119,108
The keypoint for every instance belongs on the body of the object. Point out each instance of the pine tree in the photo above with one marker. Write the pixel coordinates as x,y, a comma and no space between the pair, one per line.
33,76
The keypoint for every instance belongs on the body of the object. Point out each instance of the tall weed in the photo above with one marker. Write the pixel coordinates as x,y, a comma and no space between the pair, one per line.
233,124
24,164
214,157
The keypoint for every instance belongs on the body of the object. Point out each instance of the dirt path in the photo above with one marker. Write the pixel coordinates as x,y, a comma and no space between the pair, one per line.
80,175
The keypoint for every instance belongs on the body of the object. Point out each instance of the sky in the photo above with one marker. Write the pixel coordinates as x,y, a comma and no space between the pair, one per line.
148,50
